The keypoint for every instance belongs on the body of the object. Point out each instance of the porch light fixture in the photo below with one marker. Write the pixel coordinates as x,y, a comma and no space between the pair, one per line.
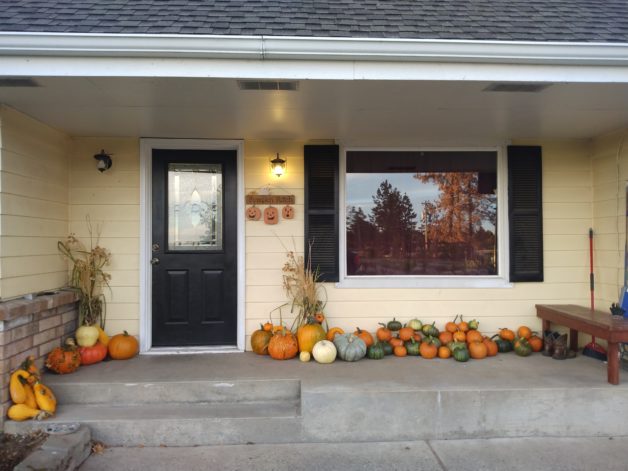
104,161
278,166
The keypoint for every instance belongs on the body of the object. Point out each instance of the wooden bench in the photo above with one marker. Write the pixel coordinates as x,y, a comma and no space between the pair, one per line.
597,323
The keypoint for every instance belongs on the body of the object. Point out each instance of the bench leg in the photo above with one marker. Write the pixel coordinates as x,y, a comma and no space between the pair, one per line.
613,363
573,340
546,325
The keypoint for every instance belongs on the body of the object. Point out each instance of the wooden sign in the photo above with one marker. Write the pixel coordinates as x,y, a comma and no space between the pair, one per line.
269,199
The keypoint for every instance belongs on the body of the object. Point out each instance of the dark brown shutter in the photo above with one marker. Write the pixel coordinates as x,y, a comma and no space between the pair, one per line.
321,209
525,213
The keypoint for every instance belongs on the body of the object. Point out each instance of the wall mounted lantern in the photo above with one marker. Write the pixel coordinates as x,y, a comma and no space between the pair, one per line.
278,166
104,161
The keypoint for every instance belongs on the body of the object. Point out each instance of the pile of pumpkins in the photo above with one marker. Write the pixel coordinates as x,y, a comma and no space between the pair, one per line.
459,340
31,398
92,345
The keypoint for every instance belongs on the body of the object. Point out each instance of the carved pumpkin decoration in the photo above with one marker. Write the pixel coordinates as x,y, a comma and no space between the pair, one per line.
271,215
253,213
287,212
283,346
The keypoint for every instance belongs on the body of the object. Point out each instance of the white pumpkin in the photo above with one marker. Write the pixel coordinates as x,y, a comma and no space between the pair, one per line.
87,335
305,357
324,351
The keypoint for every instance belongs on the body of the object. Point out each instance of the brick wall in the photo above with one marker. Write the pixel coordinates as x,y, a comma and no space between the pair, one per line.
32,327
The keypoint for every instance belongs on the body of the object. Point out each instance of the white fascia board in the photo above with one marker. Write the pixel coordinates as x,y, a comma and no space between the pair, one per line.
306,48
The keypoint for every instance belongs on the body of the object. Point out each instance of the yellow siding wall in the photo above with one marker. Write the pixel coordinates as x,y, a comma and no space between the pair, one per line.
111,200
567,211
610,173
33,204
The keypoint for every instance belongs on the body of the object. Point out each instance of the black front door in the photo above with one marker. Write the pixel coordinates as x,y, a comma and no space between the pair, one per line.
194,248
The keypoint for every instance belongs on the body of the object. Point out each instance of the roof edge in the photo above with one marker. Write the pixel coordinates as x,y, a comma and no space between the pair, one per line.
308,48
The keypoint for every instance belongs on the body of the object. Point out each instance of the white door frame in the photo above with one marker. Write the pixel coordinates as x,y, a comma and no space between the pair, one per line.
146,167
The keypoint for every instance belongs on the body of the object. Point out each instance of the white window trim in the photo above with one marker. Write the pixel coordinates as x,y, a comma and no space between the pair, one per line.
501,280
146,158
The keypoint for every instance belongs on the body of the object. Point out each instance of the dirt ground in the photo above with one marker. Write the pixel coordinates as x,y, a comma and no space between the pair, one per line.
14,448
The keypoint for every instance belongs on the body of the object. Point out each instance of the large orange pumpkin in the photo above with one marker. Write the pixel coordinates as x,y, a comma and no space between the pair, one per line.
428,350
123,346
491,347
331,333
477,350
507,334
283,346
259,341
406,333
93,354
308,335
536,343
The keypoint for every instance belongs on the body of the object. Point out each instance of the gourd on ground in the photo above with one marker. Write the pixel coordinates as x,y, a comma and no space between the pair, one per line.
16,386
64,360
350,347
283,346
44,397
21,412
94,354
324,352
375,351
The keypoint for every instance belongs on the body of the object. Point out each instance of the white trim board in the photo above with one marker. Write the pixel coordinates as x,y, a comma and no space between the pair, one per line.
146,152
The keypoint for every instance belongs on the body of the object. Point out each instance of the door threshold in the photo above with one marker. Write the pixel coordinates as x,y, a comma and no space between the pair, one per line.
192,350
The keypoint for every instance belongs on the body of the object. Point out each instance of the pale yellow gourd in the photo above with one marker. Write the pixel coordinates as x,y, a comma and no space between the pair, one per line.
16,386
45,398
22,412
102,336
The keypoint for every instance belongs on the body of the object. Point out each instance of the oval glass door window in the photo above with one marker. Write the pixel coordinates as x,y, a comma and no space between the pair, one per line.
195,207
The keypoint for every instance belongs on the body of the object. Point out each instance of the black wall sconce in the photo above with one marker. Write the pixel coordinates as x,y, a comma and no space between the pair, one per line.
104,161
278,166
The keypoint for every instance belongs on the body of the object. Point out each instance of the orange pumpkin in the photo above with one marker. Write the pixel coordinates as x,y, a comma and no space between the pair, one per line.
268,327
536,343
444,352
396,342
94,354
278,328
123,346
477,350
428,350
417,337
63,360
400,351
308,335
460,336
383,334
445,337
364,335
491,347
463,326
507,334
451,327
524,332
406,333
319,317
331,333
283,346
474,336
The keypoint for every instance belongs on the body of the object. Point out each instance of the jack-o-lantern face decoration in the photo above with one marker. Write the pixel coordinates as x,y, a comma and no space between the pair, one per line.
253,213
271,215
287,212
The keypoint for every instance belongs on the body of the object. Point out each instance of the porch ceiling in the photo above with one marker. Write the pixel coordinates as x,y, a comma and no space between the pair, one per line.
353,111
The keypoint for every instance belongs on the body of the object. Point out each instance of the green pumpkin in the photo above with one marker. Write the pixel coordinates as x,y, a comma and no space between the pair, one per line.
460,354
415,324
375,351
412,347
522,347
394,325
350,347
430,330
435,341
474,324
456,346
388,348
503,346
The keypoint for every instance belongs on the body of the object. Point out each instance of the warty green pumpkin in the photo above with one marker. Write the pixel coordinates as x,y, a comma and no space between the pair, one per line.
375,351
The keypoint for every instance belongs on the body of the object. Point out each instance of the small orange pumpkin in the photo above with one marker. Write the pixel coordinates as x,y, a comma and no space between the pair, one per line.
428,350
451,326
319,317
524,332
474,336
507,334
460,336
283,346
365,336
123,346
444,352
383,334
396,342
491,347
445,337
417,337
331,333
463,326
400,351
268,327
477,350
259,341
536,343
406,333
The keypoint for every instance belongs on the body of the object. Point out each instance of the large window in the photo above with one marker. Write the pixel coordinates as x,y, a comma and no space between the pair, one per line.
417,213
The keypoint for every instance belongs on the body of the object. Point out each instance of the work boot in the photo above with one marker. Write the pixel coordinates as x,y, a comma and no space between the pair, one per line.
561,350
548,342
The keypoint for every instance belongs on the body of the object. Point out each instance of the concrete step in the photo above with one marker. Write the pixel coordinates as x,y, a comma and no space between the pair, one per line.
164,392
181,424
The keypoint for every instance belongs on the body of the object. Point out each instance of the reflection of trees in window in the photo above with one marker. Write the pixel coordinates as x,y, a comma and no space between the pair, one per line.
395,220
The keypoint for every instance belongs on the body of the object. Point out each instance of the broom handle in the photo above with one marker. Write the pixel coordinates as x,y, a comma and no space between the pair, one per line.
591,275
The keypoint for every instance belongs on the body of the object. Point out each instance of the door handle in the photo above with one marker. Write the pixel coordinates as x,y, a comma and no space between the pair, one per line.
154,261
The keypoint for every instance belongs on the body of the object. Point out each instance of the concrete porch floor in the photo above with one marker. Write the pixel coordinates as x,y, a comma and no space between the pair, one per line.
237,398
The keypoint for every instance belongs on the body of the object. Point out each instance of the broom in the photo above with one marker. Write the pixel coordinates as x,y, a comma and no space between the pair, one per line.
592,349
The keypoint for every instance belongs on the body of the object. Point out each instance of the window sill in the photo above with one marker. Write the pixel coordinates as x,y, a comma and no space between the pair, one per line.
440,282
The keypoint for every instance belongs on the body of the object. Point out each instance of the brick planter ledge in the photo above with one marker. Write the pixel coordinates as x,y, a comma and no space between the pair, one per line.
32,327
